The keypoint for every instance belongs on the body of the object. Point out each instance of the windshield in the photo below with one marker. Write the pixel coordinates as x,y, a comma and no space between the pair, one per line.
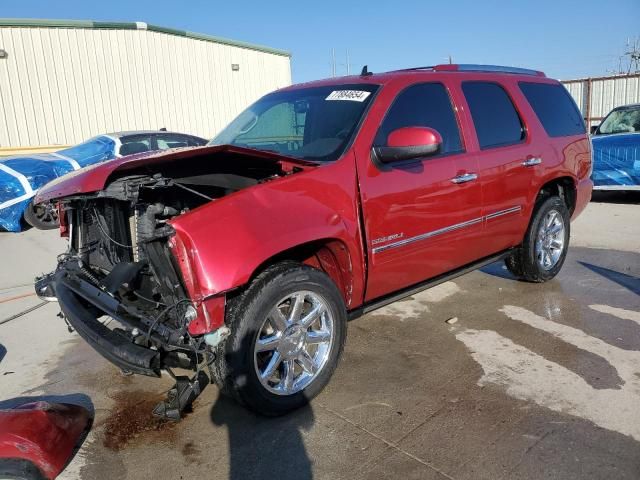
625,120
309,123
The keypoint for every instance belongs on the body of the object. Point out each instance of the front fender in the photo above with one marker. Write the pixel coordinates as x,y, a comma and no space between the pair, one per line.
227,240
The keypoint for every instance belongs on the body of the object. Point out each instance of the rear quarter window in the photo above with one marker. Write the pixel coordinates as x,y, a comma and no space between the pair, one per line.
555,108
494,116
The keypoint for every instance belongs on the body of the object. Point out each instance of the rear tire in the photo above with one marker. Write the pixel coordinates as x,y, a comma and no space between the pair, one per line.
41,216
288,330
544,249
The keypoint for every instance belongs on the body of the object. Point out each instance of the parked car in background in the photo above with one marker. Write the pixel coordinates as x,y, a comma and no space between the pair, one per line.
616,150
319,203
21,176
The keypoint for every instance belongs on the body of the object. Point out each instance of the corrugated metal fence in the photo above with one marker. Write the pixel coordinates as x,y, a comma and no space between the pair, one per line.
63,82
598,96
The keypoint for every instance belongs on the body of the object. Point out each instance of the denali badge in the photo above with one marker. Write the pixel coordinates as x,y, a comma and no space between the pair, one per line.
388,238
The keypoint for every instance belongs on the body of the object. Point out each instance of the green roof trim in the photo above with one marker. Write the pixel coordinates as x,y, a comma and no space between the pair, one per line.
45,23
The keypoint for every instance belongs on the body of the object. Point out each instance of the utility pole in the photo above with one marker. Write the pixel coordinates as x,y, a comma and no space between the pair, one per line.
450,59
333,62
348,64
633,52
629,61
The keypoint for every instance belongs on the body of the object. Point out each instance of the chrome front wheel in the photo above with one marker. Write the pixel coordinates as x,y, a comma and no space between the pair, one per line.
288,330
294,343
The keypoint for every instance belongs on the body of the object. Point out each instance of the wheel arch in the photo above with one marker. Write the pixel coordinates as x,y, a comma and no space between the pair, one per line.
330,255
563,187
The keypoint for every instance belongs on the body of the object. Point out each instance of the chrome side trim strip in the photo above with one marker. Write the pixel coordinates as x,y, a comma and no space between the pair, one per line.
424,236
451,228
503,212
604,188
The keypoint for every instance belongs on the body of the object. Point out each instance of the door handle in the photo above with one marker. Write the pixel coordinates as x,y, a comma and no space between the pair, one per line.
530,162
464,178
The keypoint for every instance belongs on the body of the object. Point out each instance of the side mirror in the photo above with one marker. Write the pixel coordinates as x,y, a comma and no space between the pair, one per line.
408,143
593,129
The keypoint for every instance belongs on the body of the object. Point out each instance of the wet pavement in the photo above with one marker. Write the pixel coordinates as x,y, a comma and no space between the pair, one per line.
484,377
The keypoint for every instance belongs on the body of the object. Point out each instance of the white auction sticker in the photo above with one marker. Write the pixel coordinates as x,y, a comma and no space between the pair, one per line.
351,95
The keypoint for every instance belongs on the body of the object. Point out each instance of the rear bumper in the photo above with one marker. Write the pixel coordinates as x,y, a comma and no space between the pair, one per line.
73,295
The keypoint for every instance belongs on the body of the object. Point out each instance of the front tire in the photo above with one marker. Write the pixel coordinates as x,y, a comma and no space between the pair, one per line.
544,249
41,216
288,330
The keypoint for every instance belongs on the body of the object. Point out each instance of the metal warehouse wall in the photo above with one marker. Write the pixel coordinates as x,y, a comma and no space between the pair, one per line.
598,96
61,83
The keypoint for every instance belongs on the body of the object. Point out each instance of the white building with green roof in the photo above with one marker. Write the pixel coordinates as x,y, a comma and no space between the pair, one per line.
63,81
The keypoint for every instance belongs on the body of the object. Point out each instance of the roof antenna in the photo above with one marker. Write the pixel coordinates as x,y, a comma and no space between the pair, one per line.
365,72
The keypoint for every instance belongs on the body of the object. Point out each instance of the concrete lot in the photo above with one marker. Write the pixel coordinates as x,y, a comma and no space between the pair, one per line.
527,381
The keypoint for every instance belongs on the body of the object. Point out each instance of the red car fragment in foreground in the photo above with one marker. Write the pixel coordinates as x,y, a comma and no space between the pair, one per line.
38,439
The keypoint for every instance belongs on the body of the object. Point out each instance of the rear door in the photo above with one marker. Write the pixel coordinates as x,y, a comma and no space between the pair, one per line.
419,221
507,160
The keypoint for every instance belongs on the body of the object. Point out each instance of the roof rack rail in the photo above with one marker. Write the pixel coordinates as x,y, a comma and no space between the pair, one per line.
469,67
430,67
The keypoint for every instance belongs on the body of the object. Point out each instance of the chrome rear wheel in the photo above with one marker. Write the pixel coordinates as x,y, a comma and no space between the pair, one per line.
550,240
544,247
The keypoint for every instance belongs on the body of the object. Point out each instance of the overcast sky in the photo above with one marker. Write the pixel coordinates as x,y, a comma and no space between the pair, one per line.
566,39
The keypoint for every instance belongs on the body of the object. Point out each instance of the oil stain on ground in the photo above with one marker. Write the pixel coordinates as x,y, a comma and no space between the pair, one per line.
131,419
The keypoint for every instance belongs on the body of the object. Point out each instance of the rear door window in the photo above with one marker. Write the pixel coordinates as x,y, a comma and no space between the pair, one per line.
423,105
555,108
495,117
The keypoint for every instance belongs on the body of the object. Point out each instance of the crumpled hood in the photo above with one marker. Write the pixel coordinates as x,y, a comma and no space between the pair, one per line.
95,177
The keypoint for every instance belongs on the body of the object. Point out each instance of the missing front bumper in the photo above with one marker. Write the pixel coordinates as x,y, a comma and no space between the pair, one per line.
111,344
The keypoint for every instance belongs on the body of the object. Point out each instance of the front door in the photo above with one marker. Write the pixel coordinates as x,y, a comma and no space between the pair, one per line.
422,216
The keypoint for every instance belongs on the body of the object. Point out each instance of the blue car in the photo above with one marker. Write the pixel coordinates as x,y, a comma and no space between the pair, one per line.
616,150
21,176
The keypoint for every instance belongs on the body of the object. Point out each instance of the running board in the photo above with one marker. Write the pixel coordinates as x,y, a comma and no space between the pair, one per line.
432,282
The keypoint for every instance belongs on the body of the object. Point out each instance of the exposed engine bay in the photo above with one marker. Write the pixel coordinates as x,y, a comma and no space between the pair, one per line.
119,265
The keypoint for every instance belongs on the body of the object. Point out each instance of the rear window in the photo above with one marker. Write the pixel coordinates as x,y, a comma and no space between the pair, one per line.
494,116
555,108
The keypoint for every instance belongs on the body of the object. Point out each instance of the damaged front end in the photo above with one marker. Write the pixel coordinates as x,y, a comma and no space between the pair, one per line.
125,283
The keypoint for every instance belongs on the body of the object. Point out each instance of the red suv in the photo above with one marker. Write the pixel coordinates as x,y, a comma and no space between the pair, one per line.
244,259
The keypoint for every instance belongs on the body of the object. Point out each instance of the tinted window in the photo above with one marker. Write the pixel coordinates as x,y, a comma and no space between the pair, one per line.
555,109
423,105
135,144
494,116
